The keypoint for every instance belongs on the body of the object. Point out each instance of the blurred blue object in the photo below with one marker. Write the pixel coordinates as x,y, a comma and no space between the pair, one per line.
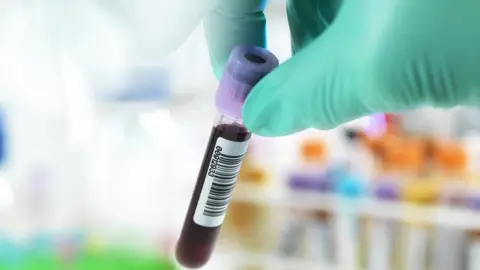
349,185
145,83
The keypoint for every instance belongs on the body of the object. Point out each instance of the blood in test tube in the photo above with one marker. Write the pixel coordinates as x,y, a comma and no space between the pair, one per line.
223,157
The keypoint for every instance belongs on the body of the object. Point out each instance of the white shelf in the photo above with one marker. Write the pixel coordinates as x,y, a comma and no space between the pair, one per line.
437,215
271,261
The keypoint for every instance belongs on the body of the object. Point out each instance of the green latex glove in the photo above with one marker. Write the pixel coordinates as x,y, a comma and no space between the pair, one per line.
353,58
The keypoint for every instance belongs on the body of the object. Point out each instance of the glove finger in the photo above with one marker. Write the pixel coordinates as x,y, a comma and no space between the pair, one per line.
308,19
233,23
318,88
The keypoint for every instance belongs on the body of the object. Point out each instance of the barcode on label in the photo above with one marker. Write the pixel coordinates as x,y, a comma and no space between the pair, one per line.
220,180
224,178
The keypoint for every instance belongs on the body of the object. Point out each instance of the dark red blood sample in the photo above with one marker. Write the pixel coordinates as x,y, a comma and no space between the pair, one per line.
196,242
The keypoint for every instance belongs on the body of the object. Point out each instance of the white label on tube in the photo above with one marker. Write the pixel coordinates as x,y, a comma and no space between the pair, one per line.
417,248
221,177
380,252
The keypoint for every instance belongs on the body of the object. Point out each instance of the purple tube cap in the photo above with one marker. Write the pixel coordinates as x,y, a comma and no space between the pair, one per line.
317,183
474,201
387,190
246,66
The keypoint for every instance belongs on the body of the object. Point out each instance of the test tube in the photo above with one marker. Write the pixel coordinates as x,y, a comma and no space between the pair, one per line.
312,174
308,231
312,228
415,254
223,157
350,187
382,231
449,243
319,229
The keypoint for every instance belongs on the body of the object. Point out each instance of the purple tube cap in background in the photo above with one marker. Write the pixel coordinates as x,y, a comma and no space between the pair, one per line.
474,201
386,190
246,66
317,183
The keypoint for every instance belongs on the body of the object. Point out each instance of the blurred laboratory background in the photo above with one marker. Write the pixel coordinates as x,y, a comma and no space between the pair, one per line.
101,142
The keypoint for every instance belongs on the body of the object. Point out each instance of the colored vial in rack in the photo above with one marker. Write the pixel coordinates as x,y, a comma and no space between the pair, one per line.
311,175
450,243
394,156
318,244
382,232
223,157
308,233
450,161
349,187
404,156
421,191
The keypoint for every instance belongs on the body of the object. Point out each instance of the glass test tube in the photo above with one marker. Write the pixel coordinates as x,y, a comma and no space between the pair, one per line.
307,232
449,243
224,155
422,192
382,231
309,229
350,187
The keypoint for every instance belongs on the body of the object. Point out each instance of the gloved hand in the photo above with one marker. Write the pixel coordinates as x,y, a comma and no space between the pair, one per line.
353,58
